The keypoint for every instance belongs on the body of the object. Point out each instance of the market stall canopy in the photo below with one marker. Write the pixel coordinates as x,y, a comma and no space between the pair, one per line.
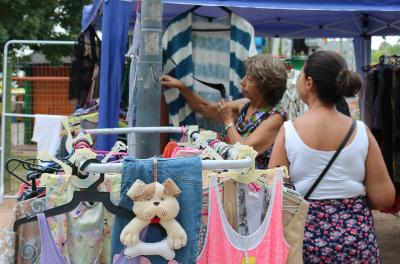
288,18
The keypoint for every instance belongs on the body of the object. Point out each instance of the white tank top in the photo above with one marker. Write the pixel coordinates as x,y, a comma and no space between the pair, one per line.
344,178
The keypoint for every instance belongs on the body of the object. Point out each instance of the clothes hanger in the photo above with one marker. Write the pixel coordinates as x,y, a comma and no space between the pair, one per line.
253,175
91,194
217,86
33,170
227,10
11,169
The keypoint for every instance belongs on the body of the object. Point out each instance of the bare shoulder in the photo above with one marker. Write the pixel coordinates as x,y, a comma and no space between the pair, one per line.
238,104
273,121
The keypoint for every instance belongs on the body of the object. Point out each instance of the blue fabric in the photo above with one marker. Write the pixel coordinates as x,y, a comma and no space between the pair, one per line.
134,53
179,43
89,14
362,50
186,173
116,17
346,5
302,19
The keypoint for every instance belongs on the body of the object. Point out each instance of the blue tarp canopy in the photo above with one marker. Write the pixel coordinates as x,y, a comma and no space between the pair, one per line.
358,19
293,19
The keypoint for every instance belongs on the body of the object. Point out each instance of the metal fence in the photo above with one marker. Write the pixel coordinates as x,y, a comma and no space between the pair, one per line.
29,87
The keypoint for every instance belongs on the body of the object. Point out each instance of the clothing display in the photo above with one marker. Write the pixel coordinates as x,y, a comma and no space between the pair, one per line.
215,56
114,40
379,107
84,67
293,229
186,173
49,252
202,197
266,245
245,127
291,101
255,204
67,229
64,237
46,133
23,245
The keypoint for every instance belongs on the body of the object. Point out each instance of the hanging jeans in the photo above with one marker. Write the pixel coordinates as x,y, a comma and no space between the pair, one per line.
186,173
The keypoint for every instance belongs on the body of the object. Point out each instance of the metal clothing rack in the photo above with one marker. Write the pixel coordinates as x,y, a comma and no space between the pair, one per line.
206,165
192,131
107,131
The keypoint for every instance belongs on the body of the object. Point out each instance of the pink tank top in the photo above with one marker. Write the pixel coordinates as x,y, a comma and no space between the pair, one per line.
224,245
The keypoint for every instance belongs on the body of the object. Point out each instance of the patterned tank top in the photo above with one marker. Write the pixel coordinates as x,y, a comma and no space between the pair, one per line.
246,127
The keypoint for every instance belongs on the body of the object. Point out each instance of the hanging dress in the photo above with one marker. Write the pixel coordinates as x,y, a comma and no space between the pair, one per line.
224,245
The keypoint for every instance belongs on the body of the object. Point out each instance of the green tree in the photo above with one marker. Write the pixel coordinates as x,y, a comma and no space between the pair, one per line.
38,19
384,45
385,49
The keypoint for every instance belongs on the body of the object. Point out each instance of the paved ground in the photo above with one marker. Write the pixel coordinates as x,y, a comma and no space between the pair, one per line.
388,232
388,229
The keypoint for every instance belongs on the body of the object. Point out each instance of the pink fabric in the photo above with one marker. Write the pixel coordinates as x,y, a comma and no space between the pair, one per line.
185,152
266,245
254,187
23,187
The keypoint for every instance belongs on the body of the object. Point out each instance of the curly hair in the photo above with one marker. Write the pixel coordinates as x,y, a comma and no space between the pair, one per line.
270,73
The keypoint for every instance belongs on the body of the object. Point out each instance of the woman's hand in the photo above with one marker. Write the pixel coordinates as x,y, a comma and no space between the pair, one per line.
170,82
226,113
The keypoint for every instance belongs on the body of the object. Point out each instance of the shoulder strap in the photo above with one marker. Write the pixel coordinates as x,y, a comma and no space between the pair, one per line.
345,140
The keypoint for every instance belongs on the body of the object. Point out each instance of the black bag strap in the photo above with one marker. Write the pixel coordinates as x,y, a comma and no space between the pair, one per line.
345,140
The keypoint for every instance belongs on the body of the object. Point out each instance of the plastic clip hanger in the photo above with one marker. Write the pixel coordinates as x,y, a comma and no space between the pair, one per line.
69,143
46,156
89,195
119,145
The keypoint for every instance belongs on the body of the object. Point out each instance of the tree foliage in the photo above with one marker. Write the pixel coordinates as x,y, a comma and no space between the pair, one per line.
385,49
38,19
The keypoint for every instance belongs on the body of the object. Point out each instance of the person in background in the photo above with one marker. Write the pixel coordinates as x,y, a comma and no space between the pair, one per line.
254,120
339,226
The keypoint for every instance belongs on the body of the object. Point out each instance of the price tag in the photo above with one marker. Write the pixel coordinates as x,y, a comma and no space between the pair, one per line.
250,260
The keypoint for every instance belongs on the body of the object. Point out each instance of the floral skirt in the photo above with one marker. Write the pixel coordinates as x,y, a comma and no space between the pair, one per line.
340,231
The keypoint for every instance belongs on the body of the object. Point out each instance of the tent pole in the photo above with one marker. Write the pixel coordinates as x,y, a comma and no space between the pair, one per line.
148,84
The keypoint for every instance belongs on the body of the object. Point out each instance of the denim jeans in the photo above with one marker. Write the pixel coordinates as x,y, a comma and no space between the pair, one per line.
186,173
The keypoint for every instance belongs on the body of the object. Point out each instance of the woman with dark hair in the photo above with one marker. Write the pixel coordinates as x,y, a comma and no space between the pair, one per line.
339,226
254,120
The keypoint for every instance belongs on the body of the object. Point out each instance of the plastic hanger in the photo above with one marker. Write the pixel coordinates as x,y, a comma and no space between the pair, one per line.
118,146
201,142
252,175
91,194
217,86
227,10
46,156
69,142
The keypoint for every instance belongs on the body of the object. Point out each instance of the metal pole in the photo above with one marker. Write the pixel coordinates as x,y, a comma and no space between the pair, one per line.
104,131
3,118
19,115
206,165
39,42
148,83
4,93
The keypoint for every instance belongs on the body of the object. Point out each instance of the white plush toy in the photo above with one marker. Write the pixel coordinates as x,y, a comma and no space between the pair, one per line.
154,203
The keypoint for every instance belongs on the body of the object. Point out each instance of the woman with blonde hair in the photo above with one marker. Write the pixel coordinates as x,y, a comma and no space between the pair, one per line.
254,120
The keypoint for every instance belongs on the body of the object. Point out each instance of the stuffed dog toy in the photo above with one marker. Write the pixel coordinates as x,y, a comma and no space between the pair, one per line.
154,203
